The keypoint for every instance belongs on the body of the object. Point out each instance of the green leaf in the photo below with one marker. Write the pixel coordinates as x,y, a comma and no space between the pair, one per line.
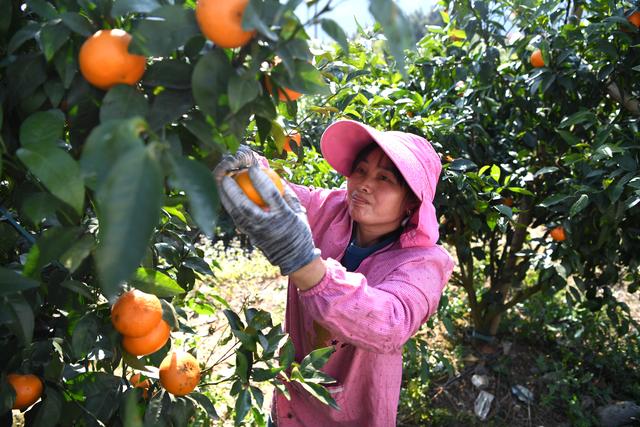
545,170
38,207
234,320
553,200
58,171
205,403
396,28
576,118
84,336
122,102
106,144
169,106
49,247
124,7
210,81
505,210
243,405
43,128
129,205
77,23
462,165
24,77
287,354
23,318
334,31
253,14
53,35
198,264
50,412
320,393
176,24
153,413
242,90
170,74
579,205
197,181
568,137
81,249
520,190
317,358
27,32
242,367
132,416
54,90
495,173
155,282
43,8
12,282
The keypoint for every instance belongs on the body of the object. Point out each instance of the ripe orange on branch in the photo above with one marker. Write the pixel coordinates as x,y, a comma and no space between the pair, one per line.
179,373
284,94
28,389
558,234
244,181
221,22
149,343
634,18
105,60
136,313
292,137
536,59
144,385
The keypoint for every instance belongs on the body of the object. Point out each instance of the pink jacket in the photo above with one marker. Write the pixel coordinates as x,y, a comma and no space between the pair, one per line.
368,315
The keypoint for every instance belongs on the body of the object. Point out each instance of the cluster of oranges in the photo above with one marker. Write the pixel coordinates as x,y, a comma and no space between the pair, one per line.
105,60
138,317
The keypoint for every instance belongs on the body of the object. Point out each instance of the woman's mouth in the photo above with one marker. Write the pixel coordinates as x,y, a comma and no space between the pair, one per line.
358,200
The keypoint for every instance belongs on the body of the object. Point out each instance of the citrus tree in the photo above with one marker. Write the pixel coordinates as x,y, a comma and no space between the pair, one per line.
533,107
112,115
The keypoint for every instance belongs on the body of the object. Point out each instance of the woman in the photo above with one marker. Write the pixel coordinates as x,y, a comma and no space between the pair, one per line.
363,264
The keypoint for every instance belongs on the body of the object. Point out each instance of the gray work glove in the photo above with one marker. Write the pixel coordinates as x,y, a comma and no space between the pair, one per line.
282,232
244,158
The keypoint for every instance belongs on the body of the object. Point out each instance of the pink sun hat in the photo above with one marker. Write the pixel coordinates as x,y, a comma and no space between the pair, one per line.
413,155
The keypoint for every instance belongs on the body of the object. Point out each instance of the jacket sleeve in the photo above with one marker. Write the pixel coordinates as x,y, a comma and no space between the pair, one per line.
379,319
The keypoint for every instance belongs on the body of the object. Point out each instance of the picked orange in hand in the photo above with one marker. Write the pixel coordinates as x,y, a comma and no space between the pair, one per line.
244,181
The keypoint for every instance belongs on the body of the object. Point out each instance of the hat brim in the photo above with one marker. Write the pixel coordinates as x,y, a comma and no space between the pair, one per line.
343,140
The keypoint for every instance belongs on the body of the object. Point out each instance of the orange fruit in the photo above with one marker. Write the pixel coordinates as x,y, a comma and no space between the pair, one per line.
28,389
292,137
179,373
149,343
105,60
507,201
558,234
536,59
136,313
284,94
448,158
221,22
634,18
144,385
244,181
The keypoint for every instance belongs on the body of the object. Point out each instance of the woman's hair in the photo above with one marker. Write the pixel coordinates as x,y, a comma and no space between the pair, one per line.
362,155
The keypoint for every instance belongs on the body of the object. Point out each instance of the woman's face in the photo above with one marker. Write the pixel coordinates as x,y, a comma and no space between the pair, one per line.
376,198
